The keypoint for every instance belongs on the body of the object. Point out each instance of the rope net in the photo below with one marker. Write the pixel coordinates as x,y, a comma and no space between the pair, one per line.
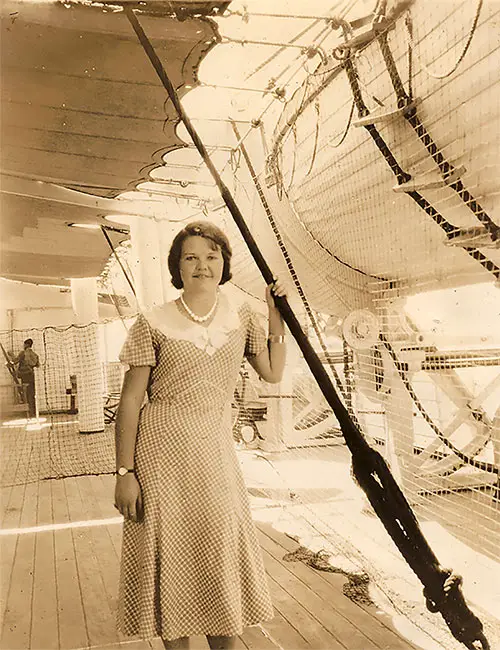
380,188
76,363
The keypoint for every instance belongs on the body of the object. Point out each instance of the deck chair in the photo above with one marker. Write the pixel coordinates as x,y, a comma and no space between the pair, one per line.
111,401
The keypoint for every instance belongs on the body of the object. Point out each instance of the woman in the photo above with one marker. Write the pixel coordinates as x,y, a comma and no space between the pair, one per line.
191,563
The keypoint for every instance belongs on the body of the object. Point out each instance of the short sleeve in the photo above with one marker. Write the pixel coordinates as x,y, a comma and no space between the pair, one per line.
138,349
256,339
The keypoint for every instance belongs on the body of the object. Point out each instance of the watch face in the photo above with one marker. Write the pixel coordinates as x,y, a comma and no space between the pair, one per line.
122,471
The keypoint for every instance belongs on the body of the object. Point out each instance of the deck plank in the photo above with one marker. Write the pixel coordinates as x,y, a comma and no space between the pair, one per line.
104,489
239,644
97,609
71,616
45,624
5,499
16,626
17,621
327,586
106,560
134,644
282,632
12,505
256,639
8,546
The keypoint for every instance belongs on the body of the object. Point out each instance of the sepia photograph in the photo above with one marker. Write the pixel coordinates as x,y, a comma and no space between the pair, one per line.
250,325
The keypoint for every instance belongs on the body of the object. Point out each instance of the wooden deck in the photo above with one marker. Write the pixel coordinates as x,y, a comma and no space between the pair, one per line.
58,584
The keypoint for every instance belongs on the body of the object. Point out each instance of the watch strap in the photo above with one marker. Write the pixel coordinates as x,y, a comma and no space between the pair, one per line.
121,471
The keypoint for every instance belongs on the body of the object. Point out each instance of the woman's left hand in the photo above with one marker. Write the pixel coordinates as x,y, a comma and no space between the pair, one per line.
276,289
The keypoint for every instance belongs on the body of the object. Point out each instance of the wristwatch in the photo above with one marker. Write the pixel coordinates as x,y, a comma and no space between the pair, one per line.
121,471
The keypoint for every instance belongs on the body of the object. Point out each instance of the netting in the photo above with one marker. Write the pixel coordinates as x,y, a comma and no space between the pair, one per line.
396,199
78,364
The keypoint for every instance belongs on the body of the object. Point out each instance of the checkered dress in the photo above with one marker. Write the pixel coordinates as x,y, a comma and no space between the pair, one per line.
193,565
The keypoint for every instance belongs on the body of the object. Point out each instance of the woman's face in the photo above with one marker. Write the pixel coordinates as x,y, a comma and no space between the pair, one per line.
201,264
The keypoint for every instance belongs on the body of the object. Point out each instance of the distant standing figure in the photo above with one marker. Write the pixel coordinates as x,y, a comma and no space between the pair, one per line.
26,361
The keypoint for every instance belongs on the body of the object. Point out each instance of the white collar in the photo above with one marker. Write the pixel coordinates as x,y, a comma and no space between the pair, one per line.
171,322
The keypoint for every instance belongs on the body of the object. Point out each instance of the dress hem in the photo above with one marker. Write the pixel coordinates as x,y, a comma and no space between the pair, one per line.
196,632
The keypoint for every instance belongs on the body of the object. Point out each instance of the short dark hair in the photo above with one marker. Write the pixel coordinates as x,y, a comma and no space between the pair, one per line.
28,342
204,229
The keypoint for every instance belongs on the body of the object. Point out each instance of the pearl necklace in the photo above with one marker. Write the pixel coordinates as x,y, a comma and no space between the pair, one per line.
195,317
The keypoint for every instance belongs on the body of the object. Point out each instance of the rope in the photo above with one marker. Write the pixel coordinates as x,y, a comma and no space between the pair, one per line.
332,254
410,59
64,328
332,74
468,460
275,54
261,91
246,15
316,138
347,360
357,586
443,75
315,45
346,130
255,122
292,174
244,41
106,236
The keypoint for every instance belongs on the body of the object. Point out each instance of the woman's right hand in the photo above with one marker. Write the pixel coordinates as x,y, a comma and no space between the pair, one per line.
128,497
